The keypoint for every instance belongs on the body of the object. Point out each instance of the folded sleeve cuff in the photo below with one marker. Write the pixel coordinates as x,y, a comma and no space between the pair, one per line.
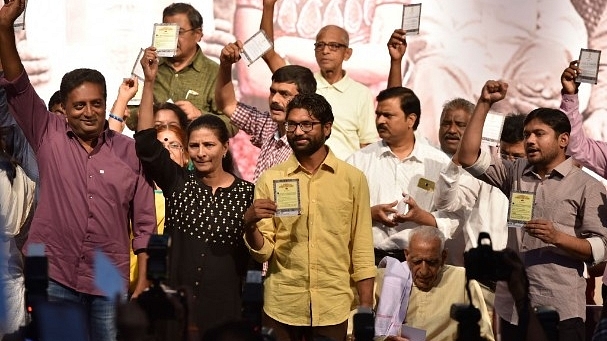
481,165
261,255
361,274
598,249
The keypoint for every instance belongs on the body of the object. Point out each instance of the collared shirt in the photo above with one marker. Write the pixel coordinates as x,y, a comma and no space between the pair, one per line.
352,104
589,152
86,199
195,83
484,208
16,200
574,202
15,141
389,177
314,256
274,149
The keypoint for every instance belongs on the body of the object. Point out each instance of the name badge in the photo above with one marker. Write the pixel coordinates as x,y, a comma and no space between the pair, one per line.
425,184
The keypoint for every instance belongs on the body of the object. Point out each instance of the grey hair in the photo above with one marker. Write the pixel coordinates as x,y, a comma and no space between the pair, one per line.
428,232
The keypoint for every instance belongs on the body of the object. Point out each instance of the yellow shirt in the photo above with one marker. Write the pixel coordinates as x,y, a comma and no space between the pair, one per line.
159,201
314,256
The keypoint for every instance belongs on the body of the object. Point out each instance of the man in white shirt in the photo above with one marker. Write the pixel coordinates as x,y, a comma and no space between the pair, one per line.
396,166
482,206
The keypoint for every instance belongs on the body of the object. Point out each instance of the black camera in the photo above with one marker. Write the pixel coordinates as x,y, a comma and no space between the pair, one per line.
483,263
165,308
157,269
468,317
364,327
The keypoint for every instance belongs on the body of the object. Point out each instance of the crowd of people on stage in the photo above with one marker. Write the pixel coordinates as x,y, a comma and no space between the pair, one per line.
350,205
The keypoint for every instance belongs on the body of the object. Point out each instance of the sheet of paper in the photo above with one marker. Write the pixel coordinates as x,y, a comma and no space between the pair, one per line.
492,129
521,208
255,47
107,276
385,311
137,68
287,197
165,39
413,334
589,66
411,16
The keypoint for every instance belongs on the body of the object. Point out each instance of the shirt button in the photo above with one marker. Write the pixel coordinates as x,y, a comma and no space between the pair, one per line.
202,255
90,197
199,268
90,157
196,283
90,176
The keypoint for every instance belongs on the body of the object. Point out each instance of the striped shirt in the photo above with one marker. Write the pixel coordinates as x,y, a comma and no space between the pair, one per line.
274,149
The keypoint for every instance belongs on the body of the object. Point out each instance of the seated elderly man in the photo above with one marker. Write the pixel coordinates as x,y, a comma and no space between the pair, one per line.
419,292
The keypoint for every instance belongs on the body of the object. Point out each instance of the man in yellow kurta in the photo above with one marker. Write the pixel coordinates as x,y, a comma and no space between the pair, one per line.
324,243
435,288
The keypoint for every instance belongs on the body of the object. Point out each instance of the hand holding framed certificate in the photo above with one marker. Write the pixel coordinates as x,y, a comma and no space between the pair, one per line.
255,47
287,197
411,17
165,39
589,66
521,208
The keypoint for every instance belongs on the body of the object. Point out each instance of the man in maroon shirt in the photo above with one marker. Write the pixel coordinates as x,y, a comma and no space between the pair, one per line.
91,183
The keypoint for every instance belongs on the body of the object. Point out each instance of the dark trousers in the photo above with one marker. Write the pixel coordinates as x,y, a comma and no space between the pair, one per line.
572,329
285,332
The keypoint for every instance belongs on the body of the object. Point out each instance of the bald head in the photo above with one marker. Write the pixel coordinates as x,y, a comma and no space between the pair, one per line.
336,31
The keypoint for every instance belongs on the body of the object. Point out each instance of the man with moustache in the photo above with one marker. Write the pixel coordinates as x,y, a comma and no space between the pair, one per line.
93,193
313,254
399,165
482,206
352,102
188,78
567,226
267,129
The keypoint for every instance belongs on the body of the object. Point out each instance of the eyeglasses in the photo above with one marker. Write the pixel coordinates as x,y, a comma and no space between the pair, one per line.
182,32
511,157
172,146
304,126
319,46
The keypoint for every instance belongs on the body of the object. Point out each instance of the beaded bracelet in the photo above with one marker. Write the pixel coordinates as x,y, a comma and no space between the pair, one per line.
117,118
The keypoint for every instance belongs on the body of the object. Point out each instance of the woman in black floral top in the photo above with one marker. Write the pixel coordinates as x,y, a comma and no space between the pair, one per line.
204,210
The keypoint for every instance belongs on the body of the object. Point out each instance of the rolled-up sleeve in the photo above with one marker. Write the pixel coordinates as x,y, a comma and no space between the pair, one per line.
265,226
144,213
363,259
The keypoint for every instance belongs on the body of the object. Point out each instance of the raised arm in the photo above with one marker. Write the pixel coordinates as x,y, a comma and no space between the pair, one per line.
225,95
589,152
127,90
149,62
397,46
469,147
9,57
272,59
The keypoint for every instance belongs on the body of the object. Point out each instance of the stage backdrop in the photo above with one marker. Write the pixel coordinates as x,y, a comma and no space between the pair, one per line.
462,43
